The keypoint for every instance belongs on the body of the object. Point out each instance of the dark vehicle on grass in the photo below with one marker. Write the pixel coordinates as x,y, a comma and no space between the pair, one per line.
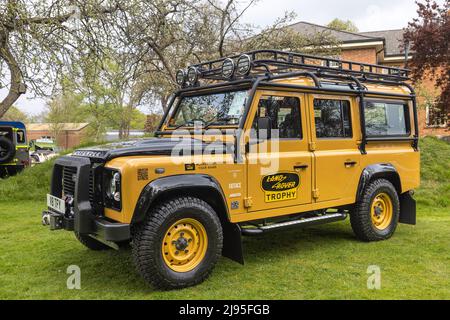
14,155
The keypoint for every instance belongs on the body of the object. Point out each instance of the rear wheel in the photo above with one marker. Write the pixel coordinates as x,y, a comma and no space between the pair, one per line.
179,243
376,214
7,150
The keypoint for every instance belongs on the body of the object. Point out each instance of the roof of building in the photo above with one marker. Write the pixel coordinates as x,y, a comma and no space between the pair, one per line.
308,28
61,126
393,39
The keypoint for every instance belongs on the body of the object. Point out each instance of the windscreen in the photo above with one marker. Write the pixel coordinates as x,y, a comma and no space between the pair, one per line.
225,108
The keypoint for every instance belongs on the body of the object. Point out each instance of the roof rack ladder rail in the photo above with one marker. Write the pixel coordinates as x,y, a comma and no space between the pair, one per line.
416,120
362,119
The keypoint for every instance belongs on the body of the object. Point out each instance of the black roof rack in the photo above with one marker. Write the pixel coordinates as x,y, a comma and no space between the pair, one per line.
275,62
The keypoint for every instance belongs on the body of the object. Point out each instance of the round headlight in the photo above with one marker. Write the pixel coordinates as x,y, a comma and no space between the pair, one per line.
228,68
244,65
115,182
181,77
192,75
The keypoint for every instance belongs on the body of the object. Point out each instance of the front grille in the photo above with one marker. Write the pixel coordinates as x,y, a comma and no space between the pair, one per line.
69,176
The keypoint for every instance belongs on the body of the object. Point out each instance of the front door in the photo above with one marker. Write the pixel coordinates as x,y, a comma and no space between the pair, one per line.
335,144
280,168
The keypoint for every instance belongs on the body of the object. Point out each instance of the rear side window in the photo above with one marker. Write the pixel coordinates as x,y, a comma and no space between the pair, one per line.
332,118
386,119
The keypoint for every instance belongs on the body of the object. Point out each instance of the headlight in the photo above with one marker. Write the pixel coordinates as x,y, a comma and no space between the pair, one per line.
112,187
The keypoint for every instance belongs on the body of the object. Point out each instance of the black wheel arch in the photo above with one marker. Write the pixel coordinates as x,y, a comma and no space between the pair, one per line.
389,172
379,171
201,186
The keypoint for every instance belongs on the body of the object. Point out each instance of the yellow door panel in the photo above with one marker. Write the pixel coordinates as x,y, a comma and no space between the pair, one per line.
335,136
280,170
287,184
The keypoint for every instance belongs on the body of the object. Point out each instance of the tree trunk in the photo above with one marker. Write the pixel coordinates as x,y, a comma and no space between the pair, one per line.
16,88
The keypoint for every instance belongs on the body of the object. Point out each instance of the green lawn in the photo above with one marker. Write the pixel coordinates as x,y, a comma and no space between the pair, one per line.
324,262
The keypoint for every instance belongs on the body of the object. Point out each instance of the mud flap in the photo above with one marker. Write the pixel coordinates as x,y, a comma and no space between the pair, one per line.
407,209
232,244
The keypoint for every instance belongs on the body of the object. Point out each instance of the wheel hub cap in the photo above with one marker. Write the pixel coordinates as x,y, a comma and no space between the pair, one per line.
184,245
382,211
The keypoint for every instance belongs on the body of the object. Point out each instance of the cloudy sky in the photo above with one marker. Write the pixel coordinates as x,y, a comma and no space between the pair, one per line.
368,15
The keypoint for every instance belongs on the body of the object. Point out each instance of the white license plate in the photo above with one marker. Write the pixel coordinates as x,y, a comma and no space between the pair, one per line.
56,204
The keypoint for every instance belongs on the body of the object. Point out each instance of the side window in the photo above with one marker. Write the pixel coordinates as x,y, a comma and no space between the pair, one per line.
332,118
386,119
21,136
284,113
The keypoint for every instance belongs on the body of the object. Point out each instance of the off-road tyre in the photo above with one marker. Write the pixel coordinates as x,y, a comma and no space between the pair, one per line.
8,150
90,242
361,220
148,243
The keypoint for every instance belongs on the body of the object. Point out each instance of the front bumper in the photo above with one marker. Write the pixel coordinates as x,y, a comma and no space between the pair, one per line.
80,216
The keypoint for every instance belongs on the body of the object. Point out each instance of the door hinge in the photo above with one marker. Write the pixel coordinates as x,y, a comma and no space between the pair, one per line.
248,202
316,194
312,146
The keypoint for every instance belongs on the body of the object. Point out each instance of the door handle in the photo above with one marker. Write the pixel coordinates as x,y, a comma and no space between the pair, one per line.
349,164
301,167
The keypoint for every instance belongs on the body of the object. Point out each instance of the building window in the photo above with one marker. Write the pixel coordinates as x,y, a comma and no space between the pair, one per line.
435,116
332,118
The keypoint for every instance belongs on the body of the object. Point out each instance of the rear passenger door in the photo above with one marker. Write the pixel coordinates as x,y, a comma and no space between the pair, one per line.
335,146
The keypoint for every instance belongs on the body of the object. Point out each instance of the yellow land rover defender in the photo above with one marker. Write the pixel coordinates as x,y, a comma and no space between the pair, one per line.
250,144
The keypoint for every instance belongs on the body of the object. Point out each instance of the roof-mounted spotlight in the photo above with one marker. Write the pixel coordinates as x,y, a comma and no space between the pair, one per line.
192,75
228,68
244,65
181,77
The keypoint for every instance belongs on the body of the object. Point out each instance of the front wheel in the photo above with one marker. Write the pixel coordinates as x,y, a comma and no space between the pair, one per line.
375,216
178,244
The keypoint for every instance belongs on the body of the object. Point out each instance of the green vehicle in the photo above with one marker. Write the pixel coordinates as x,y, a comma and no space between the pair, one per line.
14,156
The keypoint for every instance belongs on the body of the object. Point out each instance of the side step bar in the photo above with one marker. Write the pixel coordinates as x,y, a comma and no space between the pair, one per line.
307,222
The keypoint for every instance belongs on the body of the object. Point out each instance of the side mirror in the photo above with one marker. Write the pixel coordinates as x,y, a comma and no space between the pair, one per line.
264,128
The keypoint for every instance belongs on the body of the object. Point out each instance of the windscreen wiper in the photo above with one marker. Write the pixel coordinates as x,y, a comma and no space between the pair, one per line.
193,121
219,122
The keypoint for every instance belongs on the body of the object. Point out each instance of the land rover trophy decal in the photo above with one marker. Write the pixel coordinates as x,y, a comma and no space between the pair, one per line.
280,187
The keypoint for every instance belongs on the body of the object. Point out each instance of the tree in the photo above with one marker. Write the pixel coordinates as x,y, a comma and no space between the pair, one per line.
429,38
64,108
40,38
342,25
168,35
15,114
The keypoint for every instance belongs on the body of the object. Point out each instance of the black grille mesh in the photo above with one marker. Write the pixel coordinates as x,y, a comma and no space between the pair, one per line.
68,180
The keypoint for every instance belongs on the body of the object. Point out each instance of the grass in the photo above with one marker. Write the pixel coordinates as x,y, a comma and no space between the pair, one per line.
324,262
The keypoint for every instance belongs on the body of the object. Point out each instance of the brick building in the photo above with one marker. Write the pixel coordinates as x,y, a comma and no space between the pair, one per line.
69,135
385,48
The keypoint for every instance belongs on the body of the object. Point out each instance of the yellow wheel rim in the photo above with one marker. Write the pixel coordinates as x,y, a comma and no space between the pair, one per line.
184,245
382,211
